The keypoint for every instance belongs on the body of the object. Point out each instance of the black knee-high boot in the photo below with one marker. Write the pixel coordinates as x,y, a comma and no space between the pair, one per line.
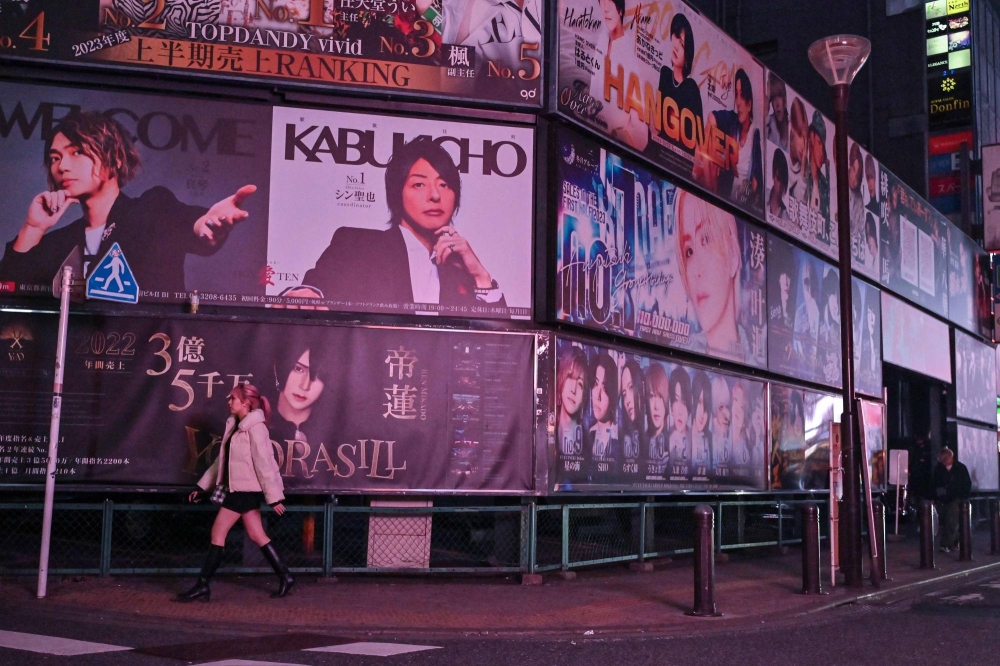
201,589
285,580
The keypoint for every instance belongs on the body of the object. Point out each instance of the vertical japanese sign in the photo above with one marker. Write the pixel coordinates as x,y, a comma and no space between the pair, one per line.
353,409
626,421
480,50
662,80
641,257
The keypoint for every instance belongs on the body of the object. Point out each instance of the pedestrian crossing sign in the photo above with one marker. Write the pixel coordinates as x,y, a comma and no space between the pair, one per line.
112,279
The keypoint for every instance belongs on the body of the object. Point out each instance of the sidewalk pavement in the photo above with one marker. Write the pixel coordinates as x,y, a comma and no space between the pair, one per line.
751,587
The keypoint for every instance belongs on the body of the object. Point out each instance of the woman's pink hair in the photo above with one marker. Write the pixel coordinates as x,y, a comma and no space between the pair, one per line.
247,392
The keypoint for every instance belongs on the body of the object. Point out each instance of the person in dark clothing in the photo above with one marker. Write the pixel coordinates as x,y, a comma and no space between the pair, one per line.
952,484
677,85
89,158
420,258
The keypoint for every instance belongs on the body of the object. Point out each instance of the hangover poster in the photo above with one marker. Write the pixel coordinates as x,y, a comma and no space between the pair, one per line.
638,256
662,80
914,248
352,409
803,297
626,421
800,438
180,185
480,50
801,197
374,213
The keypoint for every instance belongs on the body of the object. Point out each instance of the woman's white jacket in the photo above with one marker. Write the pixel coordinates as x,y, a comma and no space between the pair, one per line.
252,467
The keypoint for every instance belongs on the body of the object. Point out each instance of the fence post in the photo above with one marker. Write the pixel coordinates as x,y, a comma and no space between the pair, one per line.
328,536
107,519
704,563
564,560
781,525
878,511
642,532
994,527
927,535
718,535
810,549
965,532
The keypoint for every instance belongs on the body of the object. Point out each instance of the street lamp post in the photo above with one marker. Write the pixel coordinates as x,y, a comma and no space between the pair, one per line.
838,60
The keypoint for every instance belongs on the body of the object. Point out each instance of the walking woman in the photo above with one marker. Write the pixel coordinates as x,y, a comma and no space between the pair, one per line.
246,473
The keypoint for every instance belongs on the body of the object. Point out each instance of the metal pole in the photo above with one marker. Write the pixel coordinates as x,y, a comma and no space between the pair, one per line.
994,527
927,535
851,566
50,472
810,550
879,512
965,532
897,510
704,562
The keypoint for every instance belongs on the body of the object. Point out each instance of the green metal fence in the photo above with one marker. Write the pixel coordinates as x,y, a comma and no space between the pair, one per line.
110,538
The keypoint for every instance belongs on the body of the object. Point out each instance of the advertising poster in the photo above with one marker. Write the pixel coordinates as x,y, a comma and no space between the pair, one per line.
480,50
801,197
867,318
400,215
630,422
872,415
662,80
186,199
991,196
968,285
914,340
977,450
975,379
803,297
800,438
914,244
638,256
867,202
353,409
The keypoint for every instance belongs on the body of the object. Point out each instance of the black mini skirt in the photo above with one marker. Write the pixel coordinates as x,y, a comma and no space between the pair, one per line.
242,502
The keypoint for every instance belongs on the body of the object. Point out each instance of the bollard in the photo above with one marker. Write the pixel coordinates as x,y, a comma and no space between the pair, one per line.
965,532
878,511
704,562
927,535
810,549
994,527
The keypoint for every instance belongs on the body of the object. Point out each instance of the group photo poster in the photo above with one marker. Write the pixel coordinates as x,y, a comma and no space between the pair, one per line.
640,257
352,408
867,200
180,186
867,318
977,450
373,213
968,284
872,425
803,300
624,421
914,248
664,81
800,437
477,50
800,174
975,379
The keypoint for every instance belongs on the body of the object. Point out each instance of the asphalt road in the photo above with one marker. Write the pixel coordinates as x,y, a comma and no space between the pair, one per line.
954,623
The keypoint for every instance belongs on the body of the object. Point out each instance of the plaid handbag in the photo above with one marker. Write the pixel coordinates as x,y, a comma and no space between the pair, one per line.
218,495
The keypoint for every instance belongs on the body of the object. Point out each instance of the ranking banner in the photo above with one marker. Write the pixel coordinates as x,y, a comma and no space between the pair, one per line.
640,257
660,79
800,437
625,421
803,296
914,248
801,178
477,50
352,408
181,186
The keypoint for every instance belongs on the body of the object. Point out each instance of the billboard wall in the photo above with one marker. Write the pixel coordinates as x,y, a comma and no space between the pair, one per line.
662,80
977,450
638,256
801,197
975,379
803,296
629,422
477,50
353,409
800,437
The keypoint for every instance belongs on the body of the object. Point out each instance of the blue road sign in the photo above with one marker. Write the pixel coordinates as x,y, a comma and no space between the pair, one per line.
113,280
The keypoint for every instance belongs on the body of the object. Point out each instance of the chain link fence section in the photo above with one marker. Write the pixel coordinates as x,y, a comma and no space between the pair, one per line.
76,543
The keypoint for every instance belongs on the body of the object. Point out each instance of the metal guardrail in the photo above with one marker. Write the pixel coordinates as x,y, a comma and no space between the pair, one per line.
106,538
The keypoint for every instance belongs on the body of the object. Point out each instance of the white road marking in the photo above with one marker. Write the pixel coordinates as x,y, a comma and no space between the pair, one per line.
246,662
973,596
374,649
64,647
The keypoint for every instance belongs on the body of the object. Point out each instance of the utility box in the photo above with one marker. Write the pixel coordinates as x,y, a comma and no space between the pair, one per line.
399,541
